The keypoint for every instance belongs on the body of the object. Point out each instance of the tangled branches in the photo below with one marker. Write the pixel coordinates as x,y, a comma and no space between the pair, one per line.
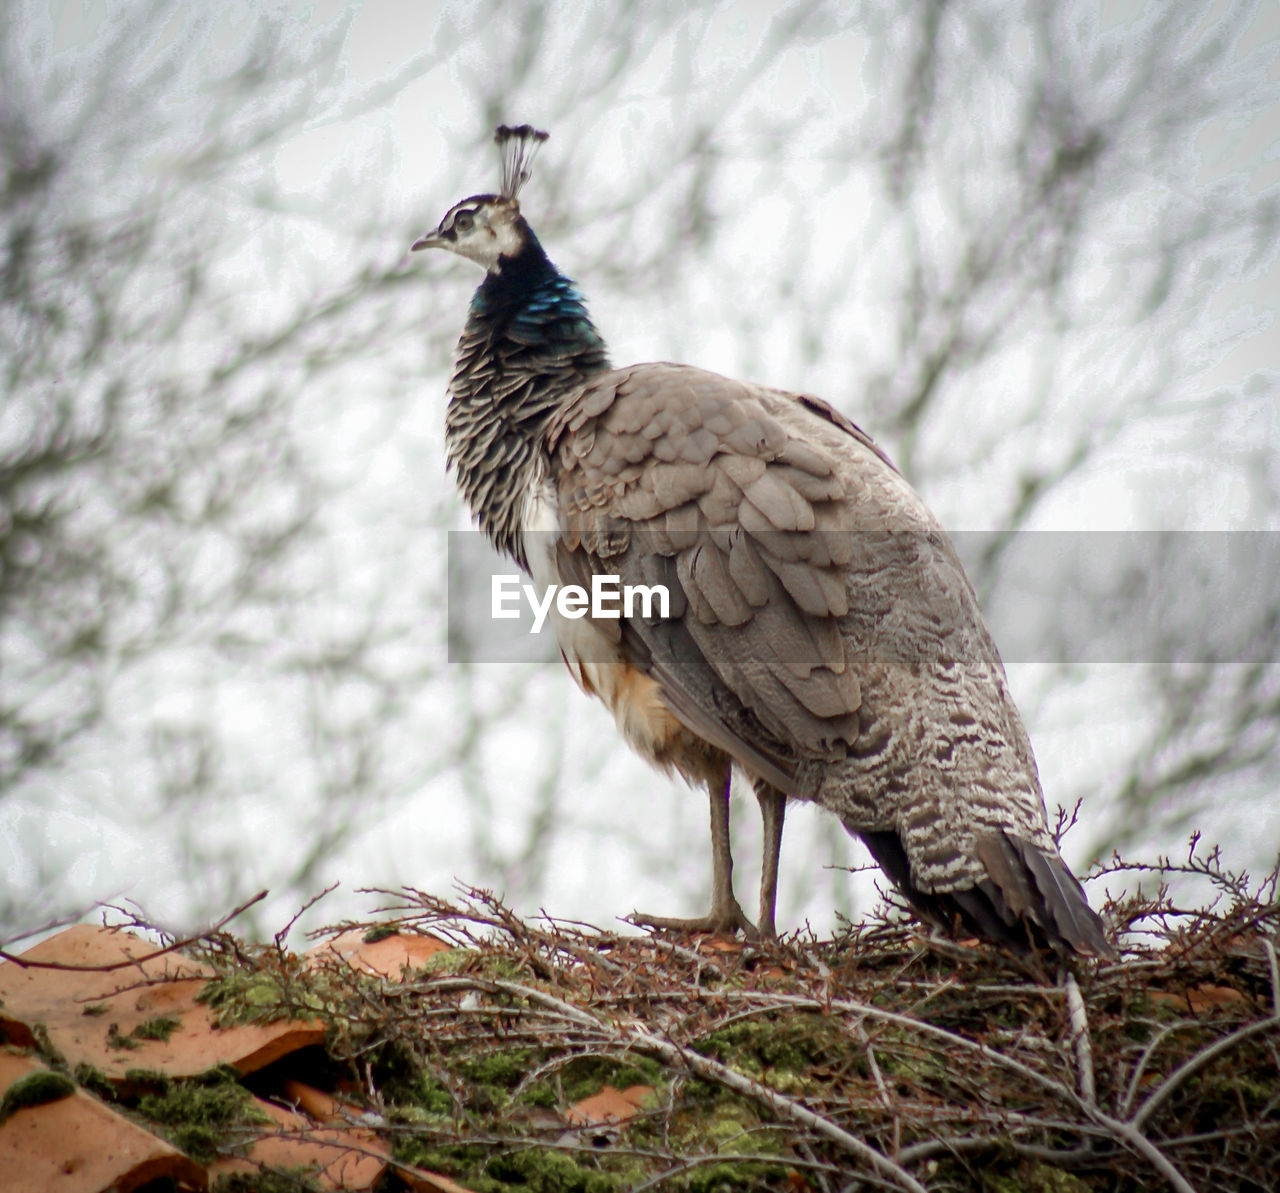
881,1059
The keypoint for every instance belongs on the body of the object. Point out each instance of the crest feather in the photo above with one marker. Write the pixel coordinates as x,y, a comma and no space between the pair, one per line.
518,147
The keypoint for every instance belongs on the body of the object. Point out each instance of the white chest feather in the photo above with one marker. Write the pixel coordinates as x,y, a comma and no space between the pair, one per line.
584,646
593,656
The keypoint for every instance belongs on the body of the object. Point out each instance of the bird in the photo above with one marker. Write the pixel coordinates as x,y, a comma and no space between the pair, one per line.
821,638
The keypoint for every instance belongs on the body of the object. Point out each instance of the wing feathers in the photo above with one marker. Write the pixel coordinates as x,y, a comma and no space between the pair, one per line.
776,526
701,470
778,501
748,570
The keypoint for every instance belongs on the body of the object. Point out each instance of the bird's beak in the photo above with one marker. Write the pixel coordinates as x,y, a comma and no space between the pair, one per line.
432,240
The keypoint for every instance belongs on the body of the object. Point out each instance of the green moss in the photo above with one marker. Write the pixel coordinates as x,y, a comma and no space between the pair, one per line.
529,1170
455,1160
542,1094
46,1051
585,1077
727,1178
95,1081
907,1063
239,998
710,1119
432,1097
769,1046
263,997
1035,1178
726,1126
397,1072
729,1133
147,1080
35,1089
502,1069
96,1008
503,969
497,966
537,1171
119,1042
159,1028
196,1113
380,932
1232,1087
581,1078
448,961
697,1096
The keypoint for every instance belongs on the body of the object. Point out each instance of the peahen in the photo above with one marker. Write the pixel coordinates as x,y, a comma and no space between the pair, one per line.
822,636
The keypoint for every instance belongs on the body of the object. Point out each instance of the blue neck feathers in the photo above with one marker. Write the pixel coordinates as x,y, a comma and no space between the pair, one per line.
528,301
528,347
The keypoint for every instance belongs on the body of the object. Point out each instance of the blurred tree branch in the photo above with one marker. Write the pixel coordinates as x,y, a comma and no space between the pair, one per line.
222,510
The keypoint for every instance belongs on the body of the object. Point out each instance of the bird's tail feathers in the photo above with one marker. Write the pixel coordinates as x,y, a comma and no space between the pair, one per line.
1028,899
1062,899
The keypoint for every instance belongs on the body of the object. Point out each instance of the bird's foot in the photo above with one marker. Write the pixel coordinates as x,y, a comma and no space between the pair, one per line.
719,921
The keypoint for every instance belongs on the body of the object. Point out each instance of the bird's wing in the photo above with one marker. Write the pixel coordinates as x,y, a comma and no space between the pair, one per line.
778,528
731,497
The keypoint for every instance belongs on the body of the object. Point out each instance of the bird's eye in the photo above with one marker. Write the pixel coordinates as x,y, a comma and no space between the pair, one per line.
464,221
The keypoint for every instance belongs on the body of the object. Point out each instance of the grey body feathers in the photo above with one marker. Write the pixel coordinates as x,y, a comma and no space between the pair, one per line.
823,634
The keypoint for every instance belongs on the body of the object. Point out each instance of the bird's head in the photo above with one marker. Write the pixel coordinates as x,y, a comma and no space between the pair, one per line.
483,228
486,228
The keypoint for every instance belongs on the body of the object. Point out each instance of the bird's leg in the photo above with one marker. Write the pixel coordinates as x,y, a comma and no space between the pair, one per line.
773,809
724,907
725,916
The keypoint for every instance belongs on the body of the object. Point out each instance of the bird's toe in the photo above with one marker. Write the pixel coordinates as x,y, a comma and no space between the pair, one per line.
727,921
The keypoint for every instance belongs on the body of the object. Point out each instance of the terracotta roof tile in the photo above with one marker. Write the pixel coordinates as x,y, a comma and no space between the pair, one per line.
387,957
76,1144
94,1016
